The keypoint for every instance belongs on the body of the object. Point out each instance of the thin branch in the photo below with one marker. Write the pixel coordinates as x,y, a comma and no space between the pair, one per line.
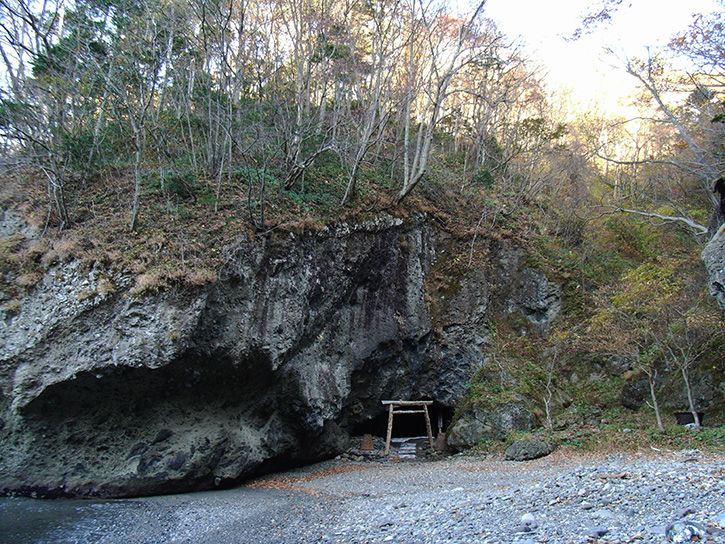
642,161
668,218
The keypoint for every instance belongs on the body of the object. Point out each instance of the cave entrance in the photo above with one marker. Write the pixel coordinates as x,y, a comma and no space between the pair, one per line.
406,425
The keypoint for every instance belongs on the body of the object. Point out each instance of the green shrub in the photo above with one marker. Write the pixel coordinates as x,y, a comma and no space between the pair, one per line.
483,177
180,183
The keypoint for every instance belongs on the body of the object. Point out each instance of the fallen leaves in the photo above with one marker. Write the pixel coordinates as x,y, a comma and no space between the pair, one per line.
292,483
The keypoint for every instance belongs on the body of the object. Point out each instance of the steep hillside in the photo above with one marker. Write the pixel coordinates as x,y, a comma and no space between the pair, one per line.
137,372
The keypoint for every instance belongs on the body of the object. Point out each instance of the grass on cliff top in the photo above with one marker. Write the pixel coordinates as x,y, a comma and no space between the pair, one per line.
184,224
184,227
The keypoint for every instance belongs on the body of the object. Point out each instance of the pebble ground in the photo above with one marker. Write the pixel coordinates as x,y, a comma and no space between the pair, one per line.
563,498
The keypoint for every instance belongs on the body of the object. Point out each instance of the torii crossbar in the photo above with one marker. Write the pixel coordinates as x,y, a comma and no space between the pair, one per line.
407,407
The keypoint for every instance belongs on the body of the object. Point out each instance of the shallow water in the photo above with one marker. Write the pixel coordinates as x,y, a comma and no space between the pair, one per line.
240,515
44,521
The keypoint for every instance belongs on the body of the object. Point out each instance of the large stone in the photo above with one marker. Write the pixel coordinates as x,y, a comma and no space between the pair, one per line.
480,423
525,450
467,432
509,418
13,222
705,392
635,392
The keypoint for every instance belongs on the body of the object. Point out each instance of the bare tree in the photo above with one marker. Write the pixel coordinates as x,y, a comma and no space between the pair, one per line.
451,45
35,113
685,131
690,335
371,91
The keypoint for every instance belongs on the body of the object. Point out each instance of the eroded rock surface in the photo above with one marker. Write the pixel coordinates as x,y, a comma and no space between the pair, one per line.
484,423
526,450
276,363
537,299
714,258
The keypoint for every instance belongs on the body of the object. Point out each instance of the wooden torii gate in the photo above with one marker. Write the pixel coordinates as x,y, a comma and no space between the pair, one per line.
408,407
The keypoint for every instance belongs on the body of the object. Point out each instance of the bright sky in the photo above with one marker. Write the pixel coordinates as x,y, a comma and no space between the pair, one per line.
582,65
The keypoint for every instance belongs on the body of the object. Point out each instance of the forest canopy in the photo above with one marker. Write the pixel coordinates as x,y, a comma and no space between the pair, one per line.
256,93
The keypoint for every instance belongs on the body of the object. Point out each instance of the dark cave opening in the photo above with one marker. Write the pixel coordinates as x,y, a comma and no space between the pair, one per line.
406,425
127,391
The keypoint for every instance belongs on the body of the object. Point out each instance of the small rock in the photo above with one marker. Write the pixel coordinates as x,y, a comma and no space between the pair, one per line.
720,519
684,513
525,450
603,513
586,505
163,434
529,519
685,531
598,531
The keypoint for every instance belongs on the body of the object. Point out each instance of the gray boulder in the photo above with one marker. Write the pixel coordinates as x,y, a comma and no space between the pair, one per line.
525,450
705,389
509,418
467,432
634,393
496,423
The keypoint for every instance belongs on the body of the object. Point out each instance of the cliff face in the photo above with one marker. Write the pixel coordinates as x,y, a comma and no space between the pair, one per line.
714,258
277,362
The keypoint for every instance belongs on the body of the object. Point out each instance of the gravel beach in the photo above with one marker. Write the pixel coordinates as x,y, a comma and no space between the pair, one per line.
563,498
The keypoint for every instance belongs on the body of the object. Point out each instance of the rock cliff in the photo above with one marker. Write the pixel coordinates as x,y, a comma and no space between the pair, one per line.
109,394
714,258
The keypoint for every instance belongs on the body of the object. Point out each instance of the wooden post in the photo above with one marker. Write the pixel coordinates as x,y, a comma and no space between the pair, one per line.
427,426
390,429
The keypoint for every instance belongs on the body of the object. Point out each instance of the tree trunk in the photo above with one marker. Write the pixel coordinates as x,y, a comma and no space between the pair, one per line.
652,376
138,141
695,416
